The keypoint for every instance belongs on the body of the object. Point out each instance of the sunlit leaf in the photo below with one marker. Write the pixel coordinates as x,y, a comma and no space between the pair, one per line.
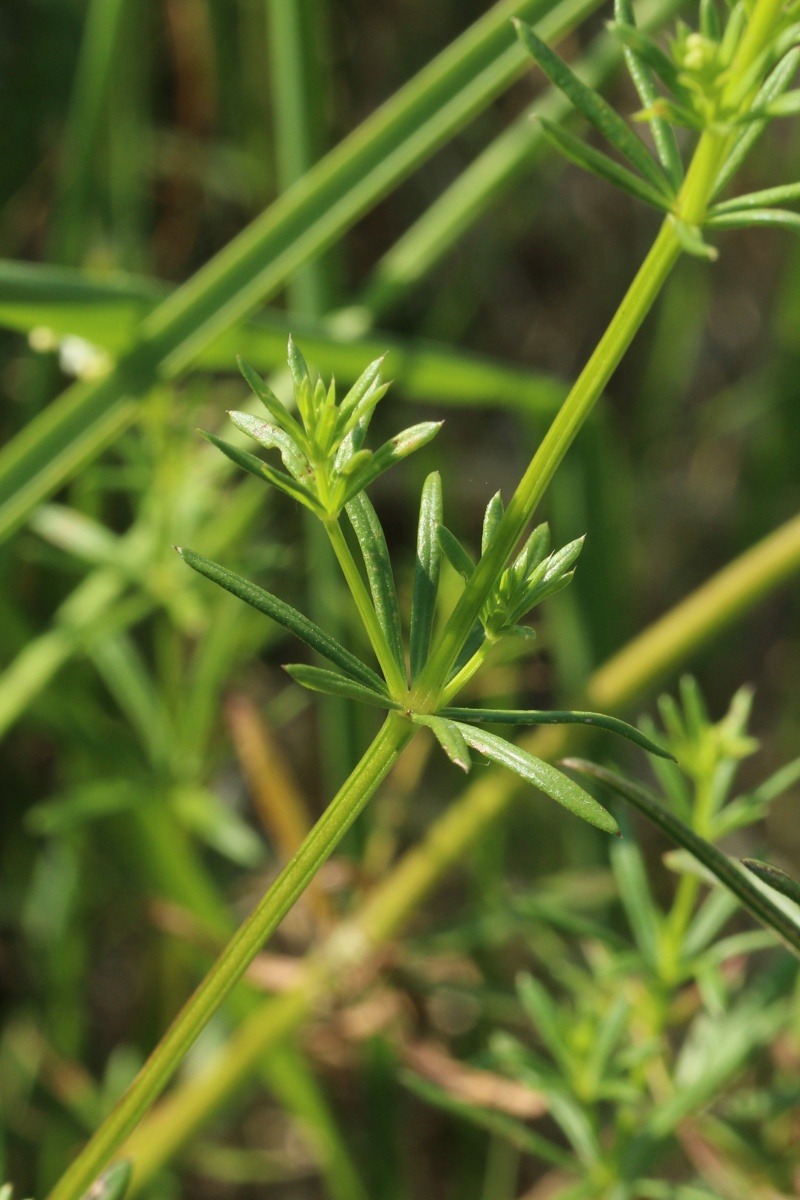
546,778
318,679
426,572
375,552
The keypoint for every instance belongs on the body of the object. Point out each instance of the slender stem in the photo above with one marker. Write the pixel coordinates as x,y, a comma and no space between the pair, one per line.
366,610
394,735
574,411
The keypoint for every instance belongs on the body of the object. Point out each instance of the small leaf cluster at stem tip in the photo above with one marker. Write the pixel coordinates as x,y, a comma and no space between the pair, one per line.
326,462
709,80
328,471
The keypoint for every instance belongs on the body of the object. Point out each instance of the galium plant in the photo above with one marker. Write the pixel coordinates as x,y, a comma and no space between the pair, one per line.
725,82
634,1037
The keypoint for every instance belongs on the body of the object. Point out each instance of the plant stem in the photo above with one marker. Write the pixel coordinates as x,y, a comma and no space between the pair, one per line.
384,751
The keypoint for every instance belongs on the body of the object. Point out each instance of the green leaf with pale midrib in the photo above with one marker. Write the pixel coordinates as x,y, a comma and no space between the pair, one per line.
426,572
513,716
318,679
285,615
542,775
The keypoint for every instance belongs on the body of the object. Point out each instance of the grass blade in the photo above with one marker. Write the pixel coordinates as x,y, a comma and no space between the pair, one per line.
449,737
318,679
426,572
600,164
595,109
513,716
542,775
285,615
371,539
726,871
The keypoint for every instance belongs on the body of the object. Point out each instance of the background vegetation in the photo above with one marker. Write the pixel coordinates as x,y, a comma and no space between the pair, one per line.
158,765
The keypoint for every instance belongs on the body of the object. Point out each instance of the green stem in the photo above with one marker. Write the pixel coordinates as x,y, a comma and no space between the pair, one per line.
574,411
388,663
237,956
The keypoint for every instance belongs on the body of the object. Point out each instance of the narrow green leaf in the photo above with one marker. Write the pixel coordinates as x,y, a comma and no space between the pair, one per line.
596,110
776,83
786,105
275,407
491,519
113,1183
642,76
298,369
531,716
709,20
788,193
285,615
601,165
272,437
691,240
400,446
774,877
449,737
648,50
362,413
367,381
454,552
725,870
780,218
546,778
318,679
262,470
380,576
426,572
